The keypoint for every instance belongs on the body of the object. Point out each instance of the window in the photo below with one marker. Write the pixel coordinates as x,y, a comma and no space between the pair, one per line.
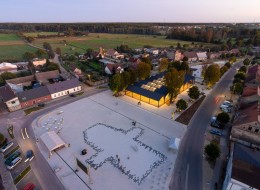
249,128
54,95
13,102
256,130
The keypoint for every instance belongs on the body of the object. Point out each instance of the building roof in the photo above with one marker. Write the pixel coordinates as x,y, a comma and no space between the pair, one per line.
191,54
6,93
64,85
111,52
32,94
202,54
246,114
52,141
159,92
44,76
249,91
246,166
7,66
21,80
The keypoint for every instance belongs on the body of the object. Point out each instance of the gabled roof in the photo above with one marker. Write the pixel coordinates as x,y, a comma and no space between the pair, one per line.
249,91
246,166
64,85
33,94
191,54
44,76
246,114
202,54
6,93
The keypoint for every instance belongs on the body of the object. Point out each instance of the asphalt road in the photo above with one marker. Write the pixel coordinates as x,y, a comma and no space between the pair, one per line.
188,166
43,172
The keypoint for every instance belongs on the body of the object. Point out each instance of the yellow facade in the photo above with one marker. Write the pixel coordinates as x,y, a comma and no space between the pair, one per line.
145,99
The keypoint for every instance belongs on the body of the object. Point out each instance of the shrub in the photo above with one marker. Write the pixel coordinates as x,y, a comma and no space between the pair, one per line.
212,150
194,92
181,104
223,117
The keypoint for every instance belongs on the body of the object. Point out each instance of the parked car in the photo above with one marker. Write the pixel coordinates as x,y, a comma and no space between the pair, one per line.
215,132
72,95
14,163
6,146
29,156
29,186
227,104
12,157
41,104
226,110
215,123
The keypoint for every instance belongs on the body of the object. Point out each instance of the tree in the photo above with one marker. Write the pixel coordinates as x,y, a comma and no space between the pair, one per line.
212,150
40,53
228,65
53,66
133,76
89,52
2,81
58,51
47,46
164,63
115,83
194,92
223,117
7,75
185,59
143,70
240,76
28,56
223,69
2,139
232,59
242,69
181,104
51,54
212,74
173,81
146,60
125,80
246,61
237,88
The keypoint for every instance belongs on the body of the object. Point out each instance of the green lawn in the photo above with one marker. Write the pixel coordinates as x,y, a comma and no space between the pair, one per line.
94,41
35,34
14,52
9,37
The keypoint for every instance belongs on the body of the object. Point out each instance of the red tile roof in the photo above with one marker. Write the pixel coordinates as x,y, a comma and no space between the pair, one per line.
249,91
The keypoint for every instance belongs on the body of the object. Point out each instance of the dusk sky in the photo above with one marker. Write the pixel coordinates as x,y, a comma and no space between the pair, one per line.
130,11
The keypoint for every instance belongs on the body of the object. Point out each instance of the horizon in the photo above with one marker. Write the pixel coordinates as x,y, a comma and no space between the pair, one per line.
115,11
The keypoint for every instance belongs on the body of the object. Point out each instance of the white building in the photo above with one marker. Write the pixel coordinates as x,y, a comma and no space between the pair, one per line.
8,97
202,56
8,67
64,88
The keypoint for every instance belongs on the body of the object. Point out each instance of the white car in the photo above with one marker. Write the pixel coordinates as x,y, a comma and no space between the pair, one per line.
6,146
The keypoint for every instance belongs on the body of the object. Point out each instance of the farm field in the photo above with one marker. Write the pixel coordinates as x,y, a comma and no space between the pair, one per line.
35,34
80,44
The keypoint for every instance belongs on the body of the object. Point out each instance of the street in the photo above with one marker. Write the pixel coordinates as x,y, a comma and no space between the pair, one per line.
188,167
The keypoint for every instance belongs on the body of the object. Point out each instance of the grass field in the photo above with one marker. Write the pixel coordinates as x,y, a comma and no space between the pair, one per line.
35,34
12,47
14,52
94,41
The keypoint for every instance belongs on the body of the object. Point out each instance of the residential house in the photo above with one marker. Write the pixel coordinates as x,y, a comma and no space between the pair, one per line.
39,62
236,52
243,169
8,99
17,84
111,53
246,125
152,51
8,67
113,68
250,94
213,55
202,56
64,88
174,55
32,97
192,56
253,76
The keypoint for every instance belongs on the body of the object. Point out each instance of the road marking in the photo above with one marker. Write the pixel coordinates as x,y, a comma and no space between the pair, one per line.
26,133
186,179
22,134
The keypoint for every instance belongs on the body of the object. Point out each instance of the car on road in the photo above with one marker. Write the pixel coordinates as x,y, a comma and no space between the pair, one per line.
6,146
227,103
13,156
29,156
72,95
215,132
29,186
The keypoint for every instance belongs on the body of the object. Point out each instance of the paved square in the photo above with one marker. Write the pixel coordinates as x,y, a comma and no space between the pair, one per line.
127,145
